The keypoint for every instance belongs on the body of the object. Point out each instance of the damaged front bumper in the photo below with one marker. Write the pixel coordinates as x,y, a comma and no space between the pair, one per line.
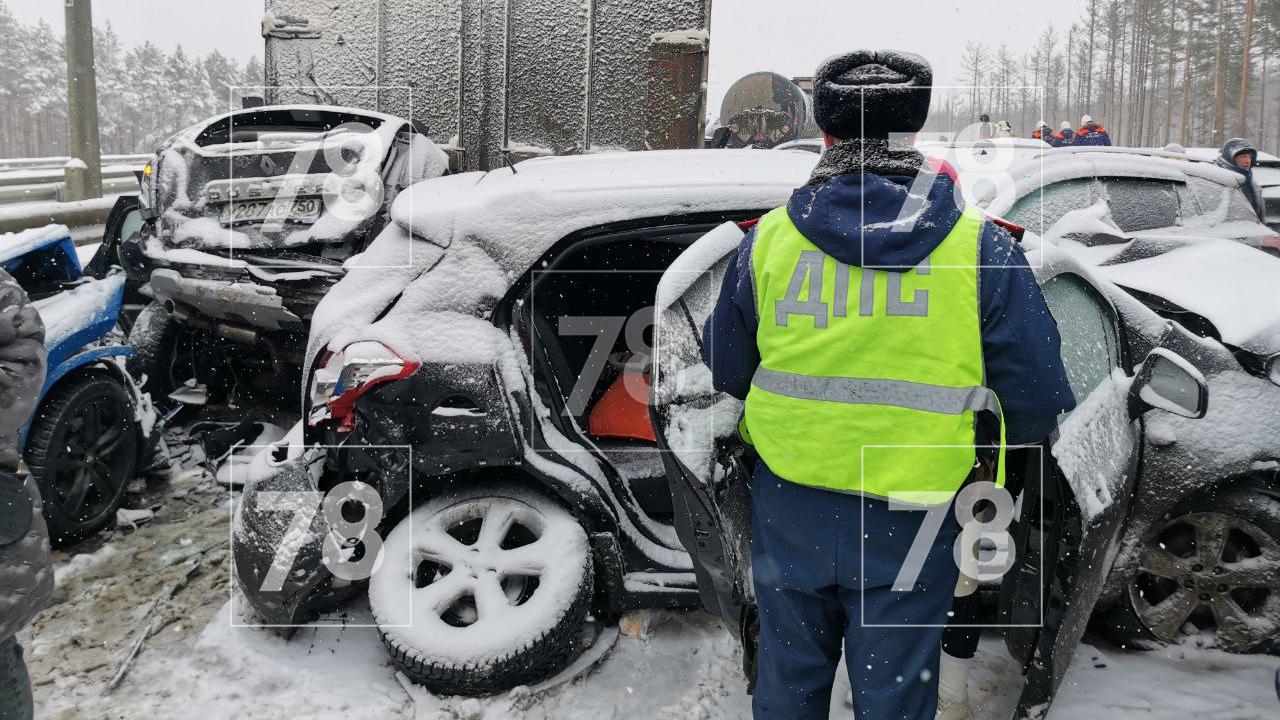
258,290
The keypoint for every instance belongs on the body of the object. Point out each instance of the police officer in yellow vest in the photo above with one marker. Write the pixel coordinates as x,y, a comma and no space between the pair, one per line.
878,331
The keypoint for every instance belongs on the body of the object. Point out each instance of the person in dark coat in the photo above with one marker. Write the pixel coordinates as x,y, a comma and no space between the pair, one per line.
1239,156
815,590
1091,133
26,567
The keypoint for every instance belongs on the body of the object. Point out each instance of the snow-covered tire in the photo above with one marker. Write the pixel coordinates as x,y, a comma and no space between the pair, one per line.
1214,564
483,589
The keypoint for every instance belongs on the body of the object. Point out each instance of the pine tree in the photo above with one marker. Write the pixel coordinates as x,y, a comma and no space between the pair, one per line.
222,78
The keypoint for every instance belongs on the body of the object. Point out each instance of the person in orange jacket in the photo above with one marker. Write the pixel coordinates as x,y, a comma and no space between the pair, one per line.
1091,133
1065,136
1043,132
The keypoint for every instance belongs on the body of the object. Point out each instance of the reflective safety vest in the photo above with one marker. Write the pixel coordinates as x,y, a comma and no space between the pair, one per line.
868,379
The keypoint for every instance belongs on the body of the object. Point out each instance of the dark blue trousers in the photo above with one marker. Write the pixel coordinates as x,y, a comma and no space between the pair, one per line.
820,583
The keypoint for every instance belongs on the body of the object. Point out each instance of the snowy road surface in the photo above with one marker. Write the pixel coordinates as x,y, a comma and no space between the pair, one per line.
169,579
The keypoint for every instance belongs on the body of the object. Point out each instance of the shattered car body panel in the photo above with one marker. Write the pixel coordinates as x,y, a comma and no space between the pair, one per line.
1186,274
210,179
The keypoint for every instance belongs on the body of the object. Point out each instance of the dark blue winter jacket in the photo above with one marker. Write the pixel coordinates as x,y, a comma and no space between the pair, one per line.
1020,341
1092,135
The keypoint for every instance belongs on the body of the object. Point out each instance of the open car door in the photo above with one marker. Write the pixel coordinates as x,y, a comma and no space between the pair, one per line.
707,465
1077,495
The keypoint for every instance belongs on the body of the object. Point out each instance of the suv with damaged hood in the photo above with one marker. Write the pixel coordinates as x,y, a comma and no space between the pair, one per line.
242,224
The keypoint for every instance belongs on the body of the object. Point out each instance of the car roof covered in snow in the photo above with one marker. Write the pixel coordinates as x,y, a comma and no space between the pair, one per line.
1019,143
1206,154
1027,172
518,213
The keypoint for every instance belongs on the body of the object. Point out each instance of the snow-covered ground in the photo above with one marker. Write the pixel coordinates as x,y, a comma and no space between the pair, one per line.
168,579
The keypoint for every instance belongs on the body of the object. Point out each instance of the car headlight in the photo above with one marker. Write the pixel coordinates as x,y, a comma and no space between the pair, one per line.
147,189
1272,369
343,377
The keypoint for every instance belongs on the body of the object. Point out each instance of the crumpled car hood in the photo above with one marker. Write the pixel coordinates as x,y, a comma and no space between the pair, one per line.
1229,283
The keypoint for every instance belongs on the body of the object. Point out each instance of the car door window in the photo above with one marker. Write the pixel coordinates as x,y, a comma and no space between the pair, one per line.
1139,204
1041,208
1089,329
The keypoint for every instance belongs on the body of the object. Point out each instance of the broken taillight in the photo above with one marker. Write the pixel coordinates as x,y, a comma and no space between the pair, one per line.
343,377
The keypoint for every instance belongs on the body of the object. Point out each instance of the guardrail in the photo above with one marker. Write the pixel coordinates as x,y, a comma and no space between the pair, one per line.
53,191
58,162
36,180
77,214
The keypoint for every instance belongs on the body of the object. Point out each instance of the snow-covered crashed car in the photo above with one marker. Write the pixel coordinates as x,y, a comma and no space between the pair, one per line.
1181,238
93,427
1079,488
479,352
241,226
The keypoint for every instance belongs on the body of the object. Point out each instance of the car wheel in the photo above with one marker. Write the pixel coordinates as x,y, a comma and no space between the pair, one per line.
154,337
1213,572
82,451
483,589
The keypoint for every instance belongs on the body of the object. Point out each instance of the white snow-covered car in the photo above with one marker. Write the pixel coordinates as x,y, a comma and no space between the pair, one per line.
459,368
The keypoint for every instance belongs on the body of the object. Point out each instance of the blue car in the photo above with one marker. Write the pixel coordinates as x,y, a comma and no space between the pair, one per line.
93,428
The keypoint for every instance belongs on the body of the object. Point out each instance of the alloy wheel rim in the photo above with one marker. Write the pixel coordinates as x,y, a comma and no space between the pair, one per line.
91,459
1207,571
478,560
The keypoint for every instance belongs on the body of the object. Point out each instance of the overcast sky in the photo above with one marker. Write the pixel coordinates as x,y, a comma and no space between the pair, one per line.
746,35
200,26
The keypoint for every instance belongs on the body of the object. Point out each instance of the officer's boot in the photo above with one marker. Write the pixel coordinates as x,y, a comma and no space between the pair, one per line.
953,689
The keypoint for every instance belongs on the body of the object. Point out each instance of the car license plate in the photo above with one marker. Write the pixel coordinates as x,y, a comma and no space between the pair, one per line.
300,210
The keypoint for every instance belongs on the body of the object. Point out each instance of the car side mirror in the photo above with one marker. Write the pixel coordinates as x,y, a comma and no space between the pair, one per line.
1272,369
1168,382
